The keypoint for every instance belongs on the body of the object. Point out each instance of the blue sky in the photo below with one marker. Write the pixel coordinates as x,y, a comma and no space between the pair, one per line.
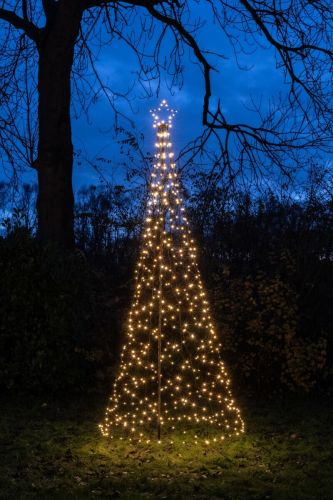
117,65
234,86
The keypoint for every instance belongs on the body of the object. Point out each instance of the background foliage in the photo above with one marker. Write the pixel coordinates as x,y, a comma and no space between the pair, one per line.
46,311
266,260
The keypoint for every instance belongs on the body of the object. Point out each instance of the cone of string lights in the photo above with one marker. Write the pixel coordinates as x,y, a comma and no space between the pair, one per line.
171,378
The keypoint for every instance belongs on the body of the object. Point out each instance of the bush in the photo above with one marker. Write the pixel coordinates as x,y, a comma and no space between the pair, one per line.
46,310
261,331
62,318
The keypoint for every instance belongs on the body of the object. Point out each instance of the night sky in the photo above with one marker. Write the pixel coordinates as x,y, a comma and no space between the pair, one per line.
233,85
117,65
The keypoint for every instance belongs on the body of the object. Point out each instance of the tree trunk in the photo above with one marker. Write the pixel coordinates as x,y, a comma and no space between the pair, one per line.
54,163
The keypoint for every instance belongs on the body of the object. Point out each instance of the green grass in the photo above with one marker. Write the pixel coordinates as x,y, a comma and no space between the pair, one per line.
54,451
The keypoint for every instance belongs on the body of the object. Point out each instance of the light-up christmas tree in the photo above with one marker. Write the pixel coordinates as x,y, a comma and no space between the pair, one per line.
171,377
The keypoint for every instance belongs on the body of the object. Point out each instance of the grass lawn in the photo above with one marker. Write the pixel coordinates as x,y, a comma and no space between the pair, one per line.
51,450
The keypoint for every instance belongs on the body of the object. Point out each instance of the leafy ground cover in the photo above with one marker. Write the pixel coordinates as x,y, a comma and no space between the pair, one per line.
52,450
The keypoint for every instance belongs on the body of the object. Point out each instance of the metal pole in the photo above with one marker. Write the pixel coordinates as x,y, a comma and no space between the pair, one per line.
163,128
159,349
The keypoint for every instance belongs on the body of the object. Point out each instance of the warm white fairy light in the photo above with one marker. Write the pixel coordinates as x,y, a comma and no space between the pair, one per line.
170,373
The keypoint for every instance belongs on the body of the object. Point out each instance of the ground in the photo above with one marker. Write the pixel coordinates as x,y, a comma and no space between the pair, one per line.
52,450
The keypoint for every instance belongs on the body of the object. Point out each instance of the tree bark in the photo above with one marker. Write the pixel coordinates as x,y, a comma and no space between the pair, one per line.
55,202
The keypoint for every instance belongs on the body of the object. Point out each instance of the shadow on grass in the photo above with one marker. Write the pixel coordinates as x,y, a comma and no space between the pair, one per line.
53,451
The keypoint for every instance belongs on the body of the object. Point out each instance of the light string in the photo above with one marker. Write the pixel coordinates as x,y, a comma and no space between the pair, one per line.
171,375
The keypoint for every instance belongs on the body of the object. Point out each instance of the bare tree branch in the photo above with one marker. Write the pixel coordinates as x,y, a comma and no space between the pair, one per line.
192,43
22,24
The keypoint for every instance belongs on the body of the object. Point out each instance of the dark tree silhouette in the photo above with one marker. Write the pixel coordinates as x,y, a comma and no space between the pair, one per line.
46,42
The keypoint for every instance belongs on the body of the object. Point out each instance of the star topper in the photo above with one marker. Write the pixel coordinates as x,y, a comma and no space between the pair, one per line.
163,114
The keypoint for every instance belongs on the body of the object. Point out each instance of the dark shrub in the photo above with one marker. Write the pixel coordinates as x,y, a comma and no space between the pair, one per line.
46,312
